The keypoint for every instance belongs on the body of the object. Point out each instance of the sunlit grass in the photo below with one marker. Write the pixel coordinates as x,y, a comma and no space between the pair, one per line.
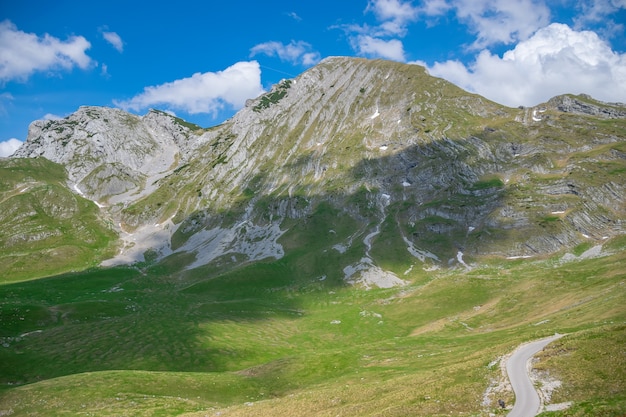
118,342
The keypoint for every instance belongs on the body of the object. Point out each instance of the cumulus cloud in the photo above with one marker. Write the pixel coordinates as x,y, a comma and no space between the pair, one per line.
50,116
600,11
114,39
22,54
494,21
383,39
393,14
296,52
555,60
597,10
9,146
375,47
202,92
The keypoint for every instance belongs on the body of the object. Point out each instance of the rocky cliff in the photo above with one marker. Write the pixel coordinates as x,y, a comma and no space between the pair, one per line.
411,166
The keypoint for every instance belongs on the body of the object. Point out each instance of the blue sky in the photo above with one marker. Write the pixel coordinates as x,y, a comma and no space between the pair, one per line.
202,59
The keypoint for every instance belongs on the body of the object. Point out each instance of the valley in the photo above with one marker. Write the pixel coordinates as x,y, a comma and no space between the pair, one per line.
364,239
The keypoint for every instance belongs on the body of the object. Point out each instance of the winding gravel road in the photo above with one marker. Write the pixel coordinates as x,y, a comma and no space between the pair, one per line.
527,401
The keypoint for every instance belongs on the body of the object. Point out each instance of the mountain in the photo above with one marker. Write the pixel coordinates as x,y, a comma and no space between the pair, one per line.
410,160
363,239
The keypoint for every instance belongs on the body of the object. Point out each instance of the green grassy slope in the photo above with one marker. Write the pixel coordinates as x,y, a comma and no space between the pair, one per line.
46,229
289,336
277,338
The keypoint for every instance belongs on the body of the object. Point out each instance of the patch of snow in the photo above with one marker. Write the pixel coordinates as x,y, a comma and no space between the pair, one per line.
535,118
383,148
406,184
375,115
408,270
558,212
519,257
335,322
80,193
459,257
470,229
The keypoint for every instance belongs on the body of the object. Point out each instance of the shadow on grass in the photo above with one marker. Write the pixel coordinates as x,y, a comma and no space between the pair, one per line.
445,196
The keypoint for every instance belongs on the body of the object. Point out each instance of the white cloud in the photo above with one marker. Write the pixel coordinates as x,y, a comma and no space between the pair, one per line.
394,14
115,40
21,53
50,116
202,92
435,7
296,52
294,16
375,47
382,40
9,146
593,12
555,60
596,10
494,21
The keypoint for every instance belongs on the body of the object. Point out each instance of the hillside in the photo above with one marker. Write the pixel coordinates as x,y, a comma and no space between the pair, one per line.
363,237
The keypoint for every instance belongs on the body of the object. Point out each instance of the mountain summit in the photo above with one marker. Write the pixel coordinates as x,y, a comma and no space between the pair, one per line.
389,163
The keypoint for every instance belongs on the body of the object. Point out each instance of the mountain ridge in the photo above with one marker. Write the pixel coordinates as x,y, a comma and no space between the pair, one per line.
385,143
363,238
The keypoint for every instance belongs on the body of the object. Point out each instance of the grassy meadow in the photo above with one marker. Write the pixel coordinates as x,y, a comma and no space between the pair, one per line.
288,337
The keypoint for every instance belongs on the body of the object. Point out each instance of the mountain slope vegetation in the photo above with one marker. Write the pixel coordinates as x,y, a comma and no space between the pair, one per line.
363,239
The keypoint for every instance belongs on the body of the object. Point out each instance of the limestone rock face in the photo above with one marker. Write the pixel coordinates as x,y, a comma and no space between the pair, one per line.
584,104
99,142
402,156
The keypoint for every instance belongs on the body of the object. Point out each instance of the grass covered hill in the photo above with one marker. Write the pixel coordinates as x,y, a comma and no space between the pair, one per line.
364,239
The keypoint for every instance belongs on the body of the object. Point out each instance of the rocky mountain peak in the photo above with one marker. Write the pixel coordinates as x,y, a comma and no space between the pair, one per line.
586,105
107,151
405,158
